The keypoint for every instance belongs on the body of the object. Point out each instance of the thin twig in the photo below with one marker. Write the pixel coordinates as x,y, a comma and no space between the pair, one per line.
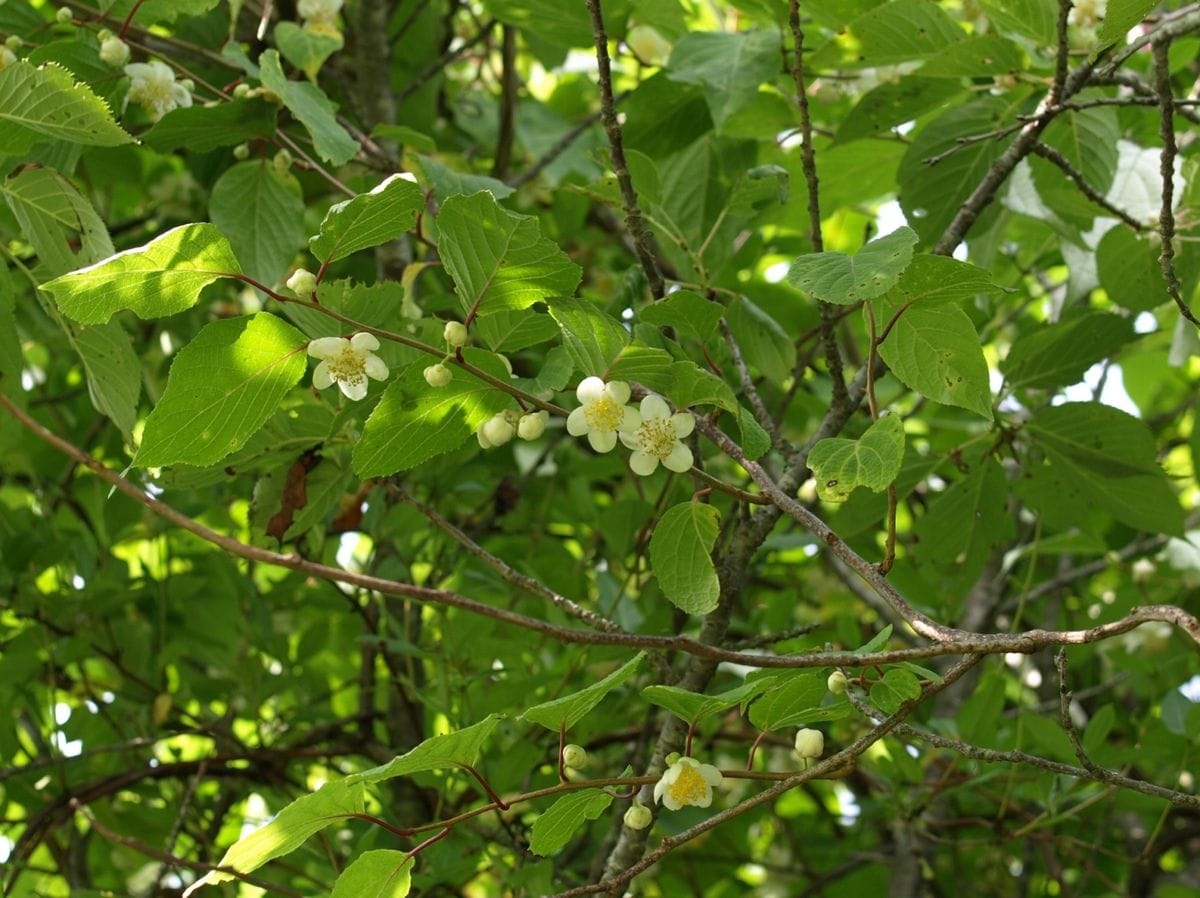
1076,177
634,221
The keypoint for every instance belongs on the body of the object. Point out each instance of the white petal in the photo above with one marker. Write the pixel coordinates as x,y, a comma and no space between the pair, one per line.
679,459
577,422
683,423
483,440
321,378
602,440
363,340
618,390
655,407
628,439
375,367
630,419
659,788
590,389
139,70
643,464
181,95
704,800
327,347
354,389
711,775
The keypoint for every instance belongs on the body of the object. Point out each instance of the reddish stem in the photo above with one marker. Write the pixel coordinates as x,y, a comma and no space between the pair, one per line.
687,749
394,830
496,799
562,744
754,749
430,841
129,19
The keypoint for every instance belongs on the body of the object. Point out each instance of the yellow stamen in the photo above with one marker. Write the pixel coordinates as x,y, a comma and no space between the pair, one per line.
689,787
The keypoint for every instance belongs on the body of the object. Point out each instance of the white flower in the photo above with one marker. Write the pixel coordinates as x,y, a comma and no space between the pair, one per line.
114,51
1144,570
687,781
154,88
810,743
648,45
638,816
602,413
1086,13
655,437
319,15
348,363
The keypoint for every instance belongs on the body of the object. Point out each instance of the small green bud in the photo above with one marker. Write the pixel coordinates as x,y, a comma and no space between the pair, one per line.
673,758
532,425
302,282
455,333
114,51
638,816
242,90
810,743
438,375
14,42
496,431
282,161
241,151
574,756
64,16
837,682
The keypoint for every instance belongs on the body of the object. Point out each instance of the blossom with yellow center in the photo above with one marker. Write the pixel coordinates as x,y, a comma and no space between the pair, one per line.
687,782
655,437
348,363
602,413
154,88
320,16
1087,13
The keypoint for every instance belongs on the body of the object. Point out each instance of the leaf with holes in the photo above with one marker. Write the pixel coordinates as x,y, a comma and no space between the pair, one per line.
873,460
844,280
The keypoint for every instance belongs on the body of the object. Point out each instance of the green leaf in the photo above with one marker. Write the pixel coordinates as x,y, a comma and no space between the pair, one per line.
546,20
977,56
554,828
845,280
765,344
1122,15
306,50
114,372
1057,355
897,686
513,331
55,217
756,442
46,103
312,109
935,350
1088,139
500,260
301,819
1034,19
554,374
200,129
161,278
687,312
415,422
455,749
223,386
1129,272
1109,457
153,11
592,338
692,385
967,521
680,554
940,279
646,365
979,716
729,67
894,103
692,707
368,219
896,32
873,460
797,700
446,182
931,194
261,212
563,713
381,873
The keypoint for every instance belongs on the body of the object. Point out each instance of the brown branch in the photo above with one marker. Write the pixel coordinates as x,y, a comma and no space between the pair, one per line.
761,415
1076,177
1166,215
634,221
509,82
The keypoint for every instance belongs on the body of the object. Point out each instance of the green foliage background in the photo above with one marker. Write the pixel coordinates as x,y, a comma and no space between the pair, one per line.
937,262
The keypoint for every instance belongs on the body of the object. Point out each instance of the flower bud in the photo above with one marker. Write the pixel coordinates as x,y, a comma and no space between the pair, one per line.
302,282
455,333
673,758
114,51
438,375
7,57
810,743
241,152
837,682
242,90
496,431
638,816
1144,570
532,425
188,84
14,42
574,756
282,161
64,16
